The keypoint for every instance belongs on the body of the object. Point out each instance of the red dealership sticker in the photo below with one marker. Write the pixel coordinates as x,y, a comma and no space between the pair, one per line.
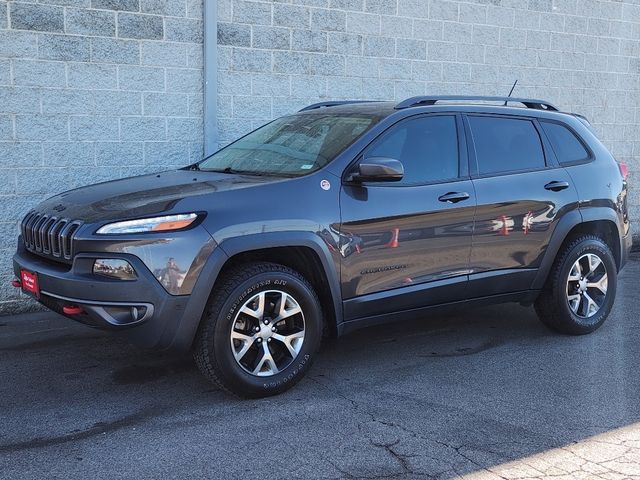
30,283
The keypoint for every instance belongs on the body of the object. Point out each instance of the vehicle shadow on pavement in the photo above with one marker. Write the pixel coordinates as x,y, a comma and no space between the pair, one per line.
442,396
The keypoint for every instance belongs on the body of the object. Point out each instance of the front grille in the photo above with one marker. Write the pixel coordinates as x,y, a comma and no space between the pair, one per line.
49,235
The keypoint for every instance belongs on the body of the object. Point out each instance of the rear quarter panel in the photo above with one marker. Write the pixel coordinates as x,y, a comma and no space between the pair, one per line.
599,183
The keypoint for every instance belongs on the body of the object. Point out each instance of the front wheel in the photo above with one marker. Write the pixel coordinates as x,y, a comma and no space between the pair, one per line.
261,330
581,287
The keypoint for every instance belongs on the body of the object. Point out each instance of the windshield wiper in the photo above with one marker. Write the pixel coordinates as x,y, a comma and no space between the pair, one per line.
193,166
222,170
252,173
232,171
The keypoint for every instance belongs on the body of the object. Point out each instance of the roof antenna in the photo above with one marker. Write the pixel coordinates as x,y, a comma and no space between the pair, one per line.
511,91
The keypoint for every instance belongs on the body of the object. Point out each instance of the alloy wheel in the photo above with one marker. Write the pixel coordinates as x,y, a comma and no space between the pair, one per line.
587,285
267,333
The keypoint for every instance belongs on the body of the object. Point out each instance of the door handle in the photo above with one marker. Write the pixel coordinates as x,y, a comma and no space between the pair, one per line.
556,186
453,197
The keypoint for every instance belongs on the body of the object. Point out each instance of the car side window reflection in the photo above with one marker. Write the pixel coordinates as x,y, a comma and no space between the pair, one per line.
506,144
426,146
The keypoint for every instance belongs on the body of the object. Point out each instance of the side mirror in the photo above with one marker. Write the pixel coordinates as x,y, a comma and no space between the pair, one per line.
378,169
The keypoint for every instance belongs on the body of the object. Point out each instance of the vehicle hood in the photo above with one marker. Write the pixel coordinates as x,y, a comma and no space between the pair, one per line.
144,195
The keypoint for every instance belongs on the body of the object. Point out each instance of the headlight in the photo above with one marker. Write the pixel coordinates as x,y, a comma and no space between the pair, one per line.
155,224
114,268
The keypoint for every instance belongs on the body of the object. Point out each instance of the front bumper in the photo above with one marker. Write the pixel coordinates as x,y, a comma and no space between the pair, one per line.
142,307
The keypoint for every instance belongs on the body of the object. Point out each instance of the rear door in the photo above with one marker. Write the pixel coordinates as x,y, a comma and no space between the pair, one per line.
406,244
521,194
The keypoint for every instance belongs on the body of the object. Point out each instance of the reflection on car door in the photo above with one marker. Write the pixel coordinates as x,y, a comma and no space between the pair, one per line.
521,194
407,244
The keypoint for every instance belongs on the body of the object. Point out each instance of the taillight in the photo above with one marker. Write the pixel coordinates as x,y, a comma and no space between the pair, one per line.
624,169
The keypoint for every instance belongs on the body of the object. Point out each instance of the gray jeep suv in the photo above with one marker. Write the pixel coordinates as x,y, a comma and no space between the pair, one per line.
343,215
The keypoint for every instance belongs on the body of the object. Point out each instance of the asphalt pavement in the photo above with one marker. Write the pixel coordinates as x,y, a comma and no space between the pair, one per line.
475,393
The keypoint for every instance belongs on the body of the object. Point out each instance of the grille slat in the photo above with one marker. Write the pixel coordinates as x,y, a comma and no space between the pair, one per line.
37,235
45,238
29,227
23,226
56,251
48,235
34,232
65,239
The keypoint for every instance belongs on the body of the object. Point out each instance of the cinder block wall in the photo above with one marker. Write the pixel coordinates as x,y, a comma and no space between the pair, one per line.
275,57
92,90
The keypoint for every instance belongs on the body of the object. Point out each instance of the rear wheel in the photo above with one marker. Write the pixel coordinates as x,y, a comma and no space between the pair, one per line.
261,330
581,287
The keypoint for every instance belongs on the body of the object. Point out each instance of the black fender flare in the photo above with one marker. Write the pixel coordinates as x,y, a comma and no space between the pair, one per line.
259,241
569,221
190,321
609,214
182,335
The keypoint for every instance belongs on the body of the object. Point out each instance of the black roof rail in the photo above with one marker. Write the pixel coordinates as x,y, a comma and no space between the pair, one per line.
432,100
333,103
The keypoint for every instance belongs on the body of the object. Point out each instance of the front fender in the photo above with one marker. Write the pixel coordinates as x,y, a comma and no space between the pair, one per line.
186,329
259,241
180,335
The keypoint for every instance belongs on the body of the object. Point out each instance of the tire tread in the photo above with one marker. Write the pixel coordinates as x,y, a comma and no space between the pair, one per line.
548,305
222,291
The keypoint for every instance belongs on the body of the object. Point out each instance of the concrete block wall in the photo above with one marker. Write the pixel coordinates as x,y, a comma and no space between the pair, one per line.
92,90
584,55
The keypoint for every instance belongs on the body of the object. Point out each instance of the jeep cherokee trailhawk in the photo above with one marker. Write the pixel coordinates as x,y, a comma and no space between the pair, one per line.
343,215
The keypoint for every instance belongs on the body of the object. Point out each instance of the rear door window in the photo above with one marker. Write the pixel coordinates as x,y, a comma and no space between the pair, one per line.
506,144
565,144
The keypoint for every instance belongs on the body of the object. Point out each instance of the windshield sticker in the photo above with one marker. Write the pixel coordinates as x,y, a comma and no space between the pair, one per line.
306,167
325,185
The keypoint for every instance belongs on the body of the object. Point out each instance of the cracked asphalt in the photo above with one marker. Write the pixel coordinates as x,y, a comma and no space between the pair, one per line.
482,394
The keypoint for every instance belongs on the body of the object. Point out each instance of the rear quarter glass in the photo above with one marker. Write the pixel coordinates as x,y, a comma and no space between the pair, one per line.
566,145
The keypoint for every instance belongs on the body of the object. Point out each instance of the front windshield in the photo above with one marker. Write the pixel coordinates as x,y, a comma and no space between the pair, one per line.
290,146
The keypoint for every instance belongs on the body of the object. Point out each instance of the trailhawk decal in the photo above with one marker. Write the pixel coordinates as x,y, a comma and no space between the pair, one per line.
388,268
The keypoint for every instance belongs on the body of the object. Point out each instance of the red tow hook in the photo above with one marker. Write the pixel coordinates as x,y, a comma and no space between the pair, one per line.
16,283
71,310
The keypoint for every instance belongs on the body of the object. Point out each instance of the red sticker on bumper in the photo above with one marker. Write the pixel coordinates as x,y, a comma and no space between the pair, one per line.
30,283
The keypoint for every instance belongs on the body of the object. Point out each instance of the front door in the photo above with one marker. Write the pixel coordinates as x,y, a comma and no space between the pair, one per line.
406,244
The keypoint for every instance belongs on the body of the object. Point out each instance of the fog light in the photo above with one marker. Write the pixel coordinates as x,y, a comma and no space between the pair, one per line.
114,268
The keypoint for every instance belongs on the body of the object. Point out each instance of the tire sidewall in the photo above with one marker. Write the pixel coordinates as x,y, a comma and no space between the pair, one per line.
586,325
253,385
